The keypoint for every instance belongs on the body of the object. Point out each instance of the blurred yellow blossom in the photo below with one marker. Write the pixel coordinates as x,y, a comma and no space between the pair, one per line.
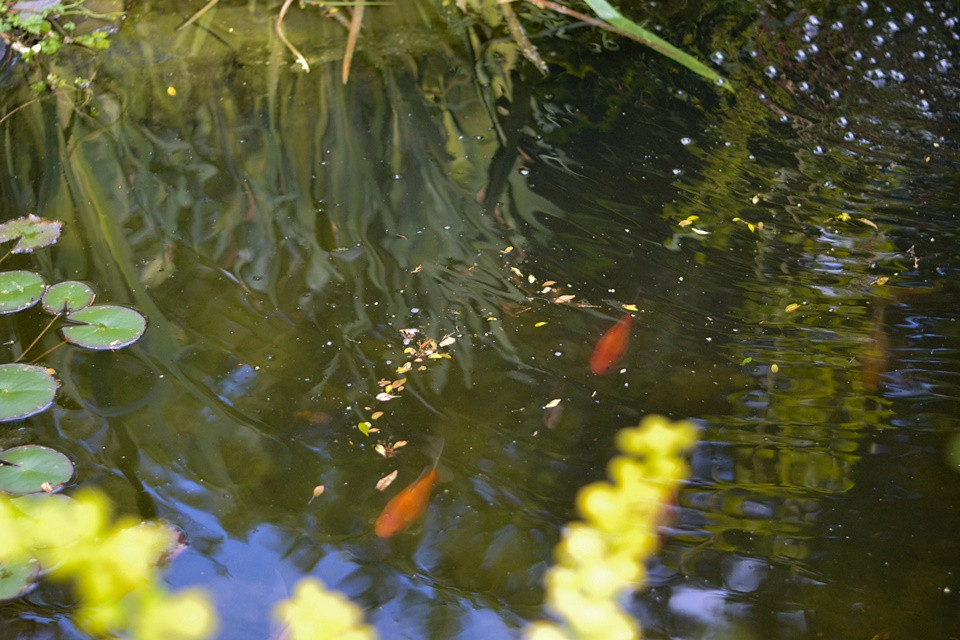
315,613
603,556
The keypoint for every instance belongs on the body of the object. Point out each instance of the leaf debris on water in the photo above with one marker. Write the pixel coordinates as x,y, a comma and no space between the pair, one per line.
552,403
629,307
387,480
385,397
364,427
317,492
790,308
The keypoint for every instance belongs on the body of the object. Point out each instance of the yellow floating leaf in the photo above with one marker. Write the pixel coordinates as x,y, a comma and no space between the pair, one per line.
406,366
387,480
364,428
399,444
755,199
774,368
382,450
790,308
376,415
171,91
549,283
552,403
540,324
564,298
437,356
399,382
507,250
629,307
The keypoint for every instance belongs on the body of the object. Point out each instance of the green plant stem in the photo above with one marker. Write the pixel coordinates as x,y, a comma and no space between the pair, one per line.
48,351
37,339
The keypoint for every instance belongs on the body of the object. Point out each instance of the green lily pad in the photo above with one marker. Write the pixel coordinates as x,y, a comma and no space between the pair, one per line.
67,297
19,290
33,469
31,232
104,326
17,579
25,389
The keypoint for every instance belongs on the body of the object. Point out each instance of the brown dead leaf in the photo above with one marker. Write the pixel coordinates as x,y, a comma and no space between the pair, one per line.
376,415
387,480
564,298
869,223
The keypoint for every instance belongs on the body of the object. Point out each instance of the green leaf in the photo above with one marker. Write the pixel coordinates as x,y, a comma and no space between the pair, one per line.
19,290
17,579
104,327
611,16
32,231
25,389
28,468
66,297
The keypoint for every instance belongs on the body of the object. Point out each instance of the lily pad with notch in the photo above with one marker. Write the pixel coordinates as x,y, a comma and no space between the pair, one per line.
104,326
67,297
31,232
20,290
25,389
17,579
31,468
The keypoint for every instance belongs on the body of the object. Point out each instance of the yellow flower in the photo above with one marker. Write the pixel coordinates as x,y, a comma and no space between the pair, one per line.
314,613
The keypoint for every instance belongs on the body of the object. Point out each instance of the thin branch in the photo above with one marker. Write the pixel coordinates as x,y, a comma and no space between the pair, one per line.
47,352
355,21
198,14
520,37
296,54
10,113
37,339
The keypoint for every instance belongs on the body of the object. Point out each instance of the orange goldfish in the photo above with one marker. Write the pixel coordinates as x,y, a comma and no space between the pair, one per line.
408,505
610,346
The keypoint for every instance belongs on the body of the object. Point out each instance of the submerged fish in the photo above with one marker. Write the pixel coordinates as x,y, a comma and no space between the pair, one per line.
408,505
610,346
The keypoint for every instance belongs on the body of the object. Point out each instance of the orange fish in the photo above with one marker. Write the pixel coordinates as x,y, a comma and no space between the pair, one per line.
610,346
408,505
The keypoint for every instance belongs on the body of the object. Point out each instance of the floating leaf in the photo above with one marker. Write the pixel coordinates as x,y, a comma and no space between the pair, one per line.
746,360
19,290
17,579
376,415
387,480
790,308
385,397
364,428
552,403
25,389
104,327
24,469
317,492
31,231
67,297
540,324
629,307
567,297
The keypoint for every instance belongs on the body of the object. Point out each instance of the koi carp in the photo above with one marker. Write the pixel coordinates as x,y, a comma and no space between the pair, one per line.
406,507
610,346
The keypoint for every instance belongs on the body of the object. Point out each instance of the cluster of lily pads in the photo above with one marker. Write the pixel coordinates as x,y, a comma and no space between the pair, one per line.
27,388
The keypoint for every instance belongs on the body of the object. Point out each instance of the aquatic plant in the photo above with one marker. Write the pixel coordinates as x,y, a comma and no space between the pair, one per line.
32,28
602,557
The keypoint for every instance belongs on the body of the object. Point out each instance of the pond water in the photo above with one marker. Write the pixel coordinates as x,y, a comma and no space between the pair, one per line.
791,248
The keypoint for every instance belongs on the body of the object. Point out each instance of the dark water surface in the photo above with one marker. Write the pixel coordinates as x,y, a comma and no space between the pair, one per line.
279,229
